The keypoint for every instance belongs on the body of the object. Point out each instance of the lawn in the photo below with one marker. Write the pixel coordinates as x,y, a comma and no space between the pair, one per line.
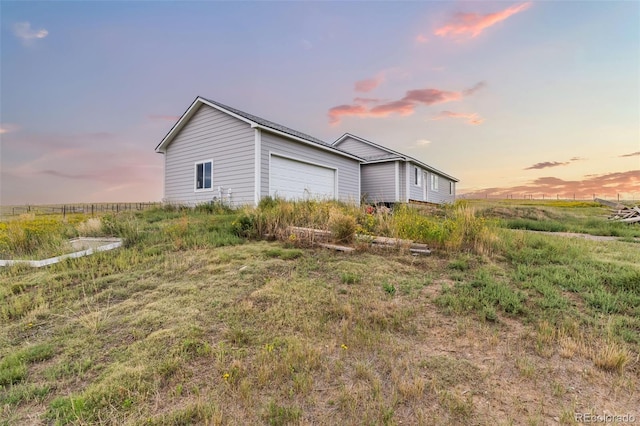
199,320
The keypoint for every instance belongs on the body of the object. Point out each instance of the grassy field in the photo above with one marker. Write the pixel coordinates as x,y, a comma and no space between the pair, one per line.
199,320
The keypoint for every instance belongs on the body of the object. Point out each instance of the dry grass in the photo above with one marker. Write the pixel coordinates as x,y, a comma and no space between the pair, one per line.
188,325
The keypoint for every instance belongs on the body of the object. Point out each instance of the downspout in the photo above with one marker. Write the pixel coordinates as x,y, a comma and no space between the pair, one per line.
408,183
397,197
257,177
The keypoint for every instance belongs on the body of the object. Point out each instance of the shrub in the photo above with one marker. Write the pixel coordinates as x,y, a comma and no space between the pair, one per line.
91,228
122,226
342,227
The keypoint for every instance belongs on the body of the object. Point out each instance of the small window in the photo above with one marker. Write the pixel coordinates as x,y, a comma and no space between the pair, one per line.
417,176
204,175
450,188
434,182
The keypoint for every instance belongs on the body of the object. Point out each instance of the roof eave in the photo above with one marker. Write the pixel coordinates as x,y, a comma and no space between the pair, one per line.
431,169
329,148
162,146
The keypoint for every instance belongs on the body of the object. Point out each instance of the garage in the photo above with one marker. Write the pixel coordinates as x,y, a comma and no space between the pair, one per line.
294,179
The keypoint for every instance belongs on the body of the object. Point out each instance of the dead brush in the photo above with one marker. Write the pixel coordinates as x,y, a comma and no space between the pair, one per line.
91,228
611,356
342,227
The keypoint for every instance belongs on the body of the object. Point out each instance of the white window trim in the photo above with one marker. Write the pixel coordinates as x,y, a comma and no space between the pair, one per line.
195,176
417,176
451,191
435,183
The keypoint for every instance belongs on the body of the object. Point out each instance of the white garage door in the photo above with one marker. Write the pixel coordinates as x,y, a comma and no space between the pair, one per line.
292,180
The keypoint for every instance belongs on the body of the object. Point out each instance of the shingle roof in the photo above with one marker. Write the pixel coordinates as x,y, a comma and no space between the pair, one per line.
391,156
383,157
278,127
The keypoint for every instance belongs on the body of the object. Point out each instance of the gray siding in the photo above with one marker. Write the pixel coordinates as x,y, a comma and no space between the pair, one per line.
360,149
348,169
211,134
416,192
379,182
442,195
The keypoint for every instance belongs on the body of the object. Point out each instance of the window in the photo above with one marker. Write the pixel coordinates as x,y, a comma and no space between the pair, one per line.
417,176
204,175
434,182
450,188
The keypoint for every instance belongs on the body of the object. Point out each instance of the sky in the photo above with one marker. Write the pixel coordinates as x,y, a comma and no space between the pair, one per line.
514,99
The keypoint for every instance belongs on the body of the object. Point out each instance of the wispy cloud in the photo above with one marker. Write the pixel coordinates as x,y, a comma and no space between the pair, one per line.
423,142
546,165
367,85
360,100
403,106
473,24
24,32
306,44
337,112
471,117
607,184
633,154
8,128
81,176
471,90
422,39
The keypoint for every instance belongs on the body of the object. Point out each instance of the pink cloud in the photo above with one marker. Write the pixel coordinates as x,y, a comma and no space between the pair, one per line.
422,39
343,110
431,96
471,117
369,84
473,24
360,100
603,185
403,106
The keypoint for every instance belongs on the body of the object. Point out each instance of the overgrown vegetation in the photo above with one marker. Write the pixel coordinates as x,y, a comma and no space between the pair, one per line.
195,321
556,216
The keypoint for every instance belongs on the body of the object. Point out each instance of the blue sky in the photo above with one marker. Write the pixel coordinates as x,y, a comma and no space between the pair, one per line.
511,98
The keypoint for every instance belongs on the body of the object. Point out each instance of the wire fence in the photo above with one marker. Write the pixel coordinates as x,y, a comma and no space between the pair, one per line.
544,196
65,209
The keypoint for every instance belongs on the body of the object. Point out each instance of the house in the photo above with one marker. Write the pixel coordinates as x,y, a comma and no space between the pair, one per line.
388,176
216,152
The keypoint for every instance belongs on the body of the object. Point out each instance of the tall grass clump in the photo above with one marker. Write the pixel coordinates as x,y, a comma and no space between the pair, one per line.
461,229
469,231
342,226
273,217
29,235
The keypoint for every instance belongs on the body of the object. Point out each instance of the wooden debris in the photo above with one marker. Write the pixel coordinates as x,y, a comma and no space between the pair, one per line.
336,247
322,237
626,214
309,234
608,203
419,251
